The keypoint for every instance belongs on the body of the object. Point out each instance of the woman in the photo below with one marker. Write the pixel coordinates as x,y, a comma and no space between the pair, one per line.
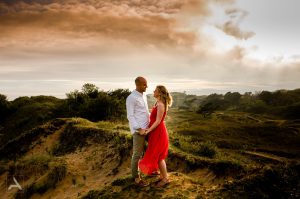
158,140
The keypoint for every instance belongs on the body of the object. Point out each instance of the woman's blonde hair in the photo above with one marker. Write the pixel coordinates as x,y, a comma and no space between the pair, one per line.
165,96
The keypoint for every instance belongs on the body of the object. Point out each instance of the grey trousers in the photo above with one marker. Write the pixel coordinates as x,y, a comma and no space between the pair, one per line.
138,150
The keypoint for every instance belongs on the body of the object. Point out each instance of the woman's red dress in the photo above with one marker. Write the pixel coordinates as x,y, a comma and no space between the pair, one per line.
158,143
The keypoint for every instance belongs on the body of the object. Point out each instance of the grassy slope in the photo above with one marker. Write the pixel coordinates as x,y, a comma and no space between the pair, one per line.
29,113
238,131
227,155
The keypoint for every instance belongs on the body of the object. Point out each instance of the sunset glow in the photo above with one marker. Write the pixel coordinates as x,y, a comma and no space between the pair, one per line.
51,47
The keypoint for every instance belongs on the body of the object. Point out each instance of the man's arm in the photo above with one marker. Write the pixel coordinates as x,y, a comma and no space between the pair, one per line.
130,113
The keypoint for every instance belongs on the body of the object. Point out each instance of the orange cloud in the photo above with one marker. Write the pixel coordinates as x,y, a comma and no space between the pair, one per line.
138,22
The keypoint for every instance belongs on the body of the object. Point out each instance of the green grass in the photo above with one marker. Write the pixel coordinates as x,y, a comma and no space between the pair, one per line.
270,182
78,131
49,180
194,146
18,146
43,171
234,130
179,160
216,143
33,165
28,113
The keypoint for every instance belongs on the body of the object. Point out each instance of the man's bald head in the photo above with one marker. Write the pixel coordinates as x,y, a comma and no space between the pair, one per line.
141,84
139,80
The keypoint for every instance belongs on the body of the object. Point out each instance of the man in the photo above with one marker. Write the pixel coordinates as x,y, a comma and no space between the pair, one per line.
138,116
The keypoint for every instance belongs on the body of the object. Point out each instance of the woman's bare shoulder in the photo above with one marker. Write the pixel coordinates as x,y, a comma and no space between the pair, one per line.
160,105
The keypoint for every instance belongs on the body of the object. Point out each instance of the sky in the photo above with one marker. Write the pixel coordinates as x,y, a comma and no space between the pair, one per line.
52,47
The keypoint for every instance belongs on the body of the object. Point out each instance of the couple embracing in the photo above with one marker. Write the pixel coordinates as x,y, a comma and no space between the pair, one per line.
150,127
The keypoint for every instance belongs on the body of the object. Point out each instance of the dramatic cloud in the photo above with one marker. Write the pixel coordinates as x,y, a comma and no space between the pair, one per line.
142,23
232,28
58,45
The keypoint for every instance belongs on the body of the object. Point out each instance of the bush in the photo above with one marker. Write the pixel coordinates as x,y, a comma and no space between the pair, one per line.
92,104
206,149
189,144
257,106
27,113
207,109
4,107
292,111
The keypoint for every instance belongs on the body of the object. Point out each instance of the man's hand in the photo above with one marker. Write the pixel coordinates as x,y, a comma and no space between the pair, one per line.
142,131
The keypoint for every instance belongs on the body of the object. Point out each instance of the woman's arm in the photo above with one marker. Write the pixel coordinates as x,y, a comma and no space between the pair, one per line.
159,116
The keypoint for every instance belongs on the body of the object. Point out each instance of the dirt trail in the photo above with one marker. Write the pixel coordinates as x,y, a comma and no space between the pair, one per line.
267,156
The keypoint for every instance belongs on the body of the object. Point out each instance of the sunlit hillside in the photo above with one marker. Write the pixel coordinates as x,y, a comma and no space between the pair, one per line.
221,146
224,156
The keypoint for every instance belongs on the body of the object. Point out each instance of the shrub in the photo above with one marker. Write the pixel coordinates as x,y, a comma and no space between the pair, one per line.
4,107
194,146
206,149
92,104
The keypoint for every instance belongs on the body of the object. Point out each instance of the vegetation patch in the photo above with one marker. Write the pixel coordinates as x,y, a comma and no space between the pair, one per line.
192,145
30,166
271,182
179,160
57,171
23,143
78,132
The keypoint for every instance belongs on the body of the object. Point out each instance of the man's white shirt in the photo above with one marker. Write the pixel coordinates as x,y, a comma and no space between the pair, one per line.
137,111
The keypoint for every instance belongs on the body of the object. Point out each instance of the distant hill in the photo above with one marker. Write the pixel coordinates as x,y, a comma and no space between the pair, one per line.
181,101
283,104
